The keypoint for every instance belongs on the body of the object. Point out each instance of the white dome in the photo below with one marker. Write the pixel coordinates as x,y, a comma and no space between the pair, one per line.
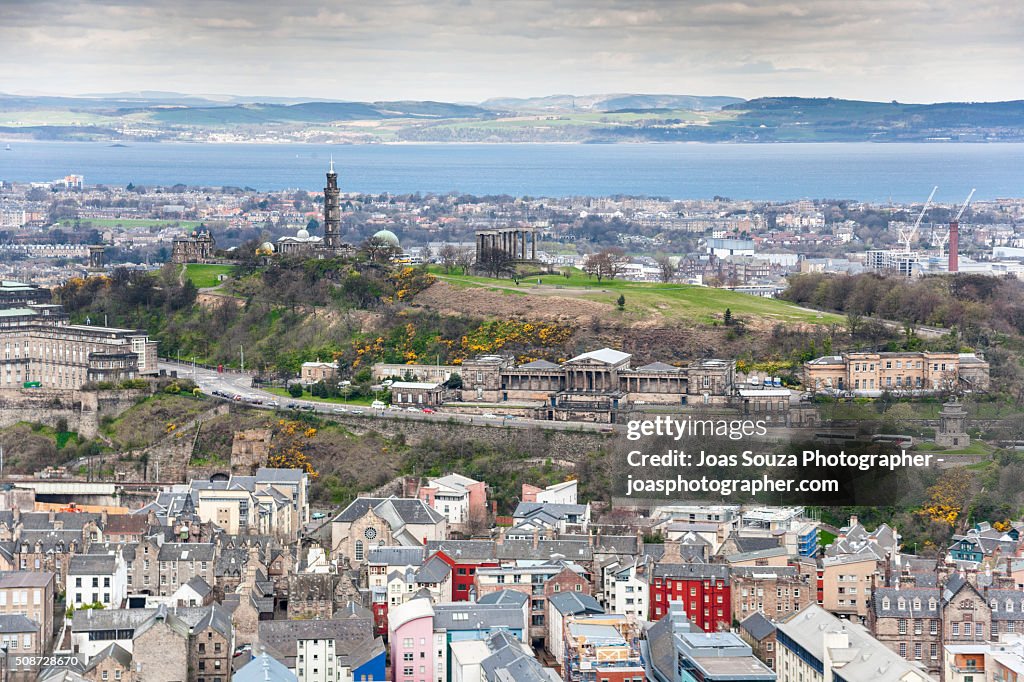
302,234
387,236
267,246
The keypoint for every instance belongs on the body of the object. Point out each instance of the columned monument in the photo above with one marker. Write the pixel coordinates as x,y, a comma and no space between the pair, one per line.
518,243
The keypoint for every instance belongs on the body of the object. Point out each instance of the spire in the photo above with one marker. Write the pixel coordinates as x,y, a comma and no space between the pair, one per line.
332,164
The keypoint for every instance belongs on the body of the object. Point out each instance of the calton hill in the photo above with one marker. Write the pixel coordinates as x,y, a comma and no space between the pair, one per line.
364,309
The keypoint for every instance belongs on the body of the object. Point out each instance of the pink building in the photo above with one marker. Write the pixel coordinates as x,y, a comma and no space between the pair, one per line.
461,499
413,647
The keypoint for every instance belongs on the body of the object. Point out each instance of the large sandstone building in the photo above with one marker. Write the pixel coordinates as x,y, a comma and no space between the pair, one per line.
871,374
41,347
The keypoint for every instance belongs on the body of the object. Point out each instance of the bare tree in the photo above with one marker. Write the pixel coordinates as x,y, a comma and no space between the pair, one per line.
666,269
495,262
606,264
464,259
379,250
448,256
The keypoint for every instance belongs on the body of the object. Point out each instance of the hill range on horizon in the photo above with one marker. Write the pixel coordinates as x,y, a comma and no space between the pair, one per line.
598,118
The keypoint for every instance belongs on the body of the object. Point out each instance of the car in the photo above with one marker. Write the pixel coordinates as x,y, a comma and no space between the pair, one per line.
237,397
292,406
340,410
394,407
378,405
316,516
357,411
307,408
489,415
428,410
273,403
412,409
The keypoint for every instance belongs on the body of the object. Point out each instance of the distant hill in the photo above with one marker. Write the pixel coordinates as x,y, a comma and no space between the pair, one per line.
597,118
609,102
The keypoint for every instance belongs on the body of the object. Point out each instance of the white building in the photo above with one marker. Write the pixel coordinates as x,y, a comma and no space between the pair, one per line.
626,588
97,579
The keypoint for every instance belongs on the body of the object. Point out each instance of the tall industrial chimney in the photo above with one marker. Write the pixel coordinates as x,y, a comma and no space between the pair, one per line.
954,246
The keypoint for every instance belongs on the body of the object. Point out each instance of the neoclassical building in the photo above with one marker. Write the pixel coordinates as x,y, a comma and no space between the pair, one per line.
869,374
592,386
40,347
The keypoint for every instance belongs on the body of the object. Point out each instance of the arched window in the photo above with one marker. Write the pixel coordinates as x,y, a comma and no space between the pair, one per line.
359,550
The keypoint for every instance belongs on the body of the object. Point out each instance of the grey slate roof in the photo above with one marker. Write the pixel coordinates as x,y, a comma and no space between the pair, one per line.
405,510
687,571
434,571
396,556
757,626
574,603
479,616
14,623
92,564
504,597
114,651
571,550
186,551
464,550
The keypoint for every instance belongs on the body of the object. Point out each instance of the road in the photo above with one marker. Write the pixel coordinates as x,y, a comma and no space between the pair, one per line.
237,383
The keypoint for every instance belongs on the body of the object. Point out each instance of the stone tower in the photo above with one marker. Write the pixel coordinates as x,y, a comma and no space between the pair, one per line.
332,211
952,431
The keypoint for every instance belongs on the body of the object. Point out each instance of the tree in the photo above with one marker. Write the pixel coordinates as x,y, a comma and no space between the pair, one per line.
495,262
448,256
454,381
465,259
853,322
295,390
666,269
604,264
727,317
378,250
621,302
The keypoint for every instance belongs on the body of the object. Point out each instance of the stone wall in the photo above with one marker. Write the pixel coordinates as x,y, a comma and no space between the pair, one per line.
82,410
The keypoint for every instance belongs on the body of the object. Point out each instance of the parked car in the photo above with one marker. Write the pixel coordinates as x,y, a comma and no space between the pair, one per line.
378,405
429,410
340,410
412,409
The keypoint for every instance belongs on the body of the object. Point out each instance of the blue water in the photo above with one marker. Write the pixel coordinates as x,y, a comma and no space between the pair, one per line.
773,172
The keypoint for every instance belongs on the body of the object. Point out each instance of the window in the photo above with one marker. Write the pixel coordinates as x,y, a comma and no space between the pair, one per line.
359,550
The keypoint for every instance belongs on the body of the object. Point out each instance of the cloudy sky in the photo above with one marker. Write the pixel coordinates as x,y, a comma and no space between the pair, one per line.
469,50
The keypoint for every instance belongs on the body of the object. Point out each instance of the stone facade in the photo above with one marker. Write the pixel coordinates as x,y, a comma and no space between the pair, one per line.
250,450
911,372
197,247
777,593
595,386
161,651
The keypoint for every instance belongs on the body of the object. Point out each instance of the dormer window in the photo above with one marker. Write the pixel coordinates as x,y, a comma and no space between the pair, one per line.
886,604
901,604
1009,606
917,604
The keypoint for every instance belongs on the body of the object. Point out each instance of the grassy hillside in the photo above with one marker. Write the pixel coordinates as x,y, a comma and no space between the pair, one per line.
673,302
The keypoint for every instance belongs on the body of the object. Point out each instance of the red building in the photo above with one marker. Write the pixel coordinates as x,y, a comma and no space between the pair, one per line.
703,589
464,557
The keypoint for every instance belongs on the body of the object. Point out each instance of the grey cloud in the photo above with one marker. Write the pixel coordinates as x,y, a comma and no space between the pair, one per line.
474,49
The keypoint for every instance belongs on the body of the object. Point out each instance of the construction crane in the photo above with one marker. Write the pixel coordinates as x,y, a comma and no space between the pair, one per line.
907,236
941,238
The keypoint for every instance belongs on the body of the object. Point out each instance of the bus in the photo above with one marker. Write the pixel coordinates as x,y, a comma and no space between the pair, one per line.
899,439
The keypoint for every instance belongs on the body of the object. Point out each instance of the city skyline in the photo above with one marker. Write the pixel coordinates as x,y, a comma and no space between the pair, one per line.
469,52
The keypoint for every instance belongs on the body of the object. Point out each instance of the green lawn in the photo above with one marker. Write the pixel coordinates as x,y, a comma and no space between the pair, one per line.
705,304
362,401
205,276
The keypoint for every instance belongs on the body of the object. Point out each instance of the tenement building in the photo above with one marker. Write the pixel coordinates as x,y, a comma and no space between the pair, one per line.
871,374
40,347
